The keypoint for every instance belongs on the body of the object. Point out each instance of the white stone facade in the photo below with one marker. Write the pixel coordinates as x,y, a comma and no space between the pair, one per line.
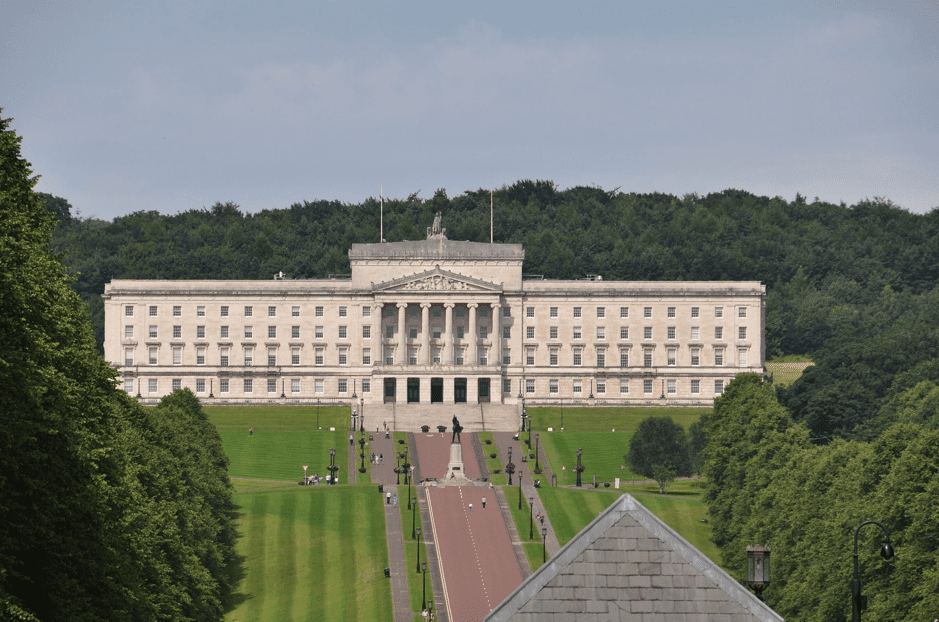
435,321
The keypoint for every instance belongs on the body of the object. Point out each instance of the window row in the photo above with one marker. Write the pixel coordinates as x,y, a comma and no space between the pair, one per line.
577,333
668,387
578,312
248,310
251,385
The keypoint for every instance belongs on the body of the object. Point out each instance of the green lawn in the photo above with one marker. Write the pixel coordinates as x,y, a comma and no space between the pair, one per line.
684,515
602,456
605,419
499,462
571,510
312,553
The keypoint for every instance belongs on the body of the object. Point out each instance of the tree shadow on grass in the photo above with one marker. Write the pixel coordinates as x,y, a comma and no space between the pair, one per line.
236,572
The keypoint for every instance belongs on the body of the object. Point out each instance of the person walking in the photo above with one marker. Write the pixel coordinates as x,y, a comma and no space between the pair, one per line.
396,500
250,431
484,503
471,507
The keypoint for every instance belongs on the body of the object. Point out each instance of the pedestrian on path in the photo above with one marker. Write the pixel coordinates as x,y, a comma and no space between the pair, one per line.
250,431
350,440
381,458
396,500
471,507
484,503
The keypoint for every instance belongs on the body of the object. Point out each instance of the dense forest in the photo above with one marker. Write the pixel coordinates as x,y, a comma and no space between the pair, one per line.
854,287
108,510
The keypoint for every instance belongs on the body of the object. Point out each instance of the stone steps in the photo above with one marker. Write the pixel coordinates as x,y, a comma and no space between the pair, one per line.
473,417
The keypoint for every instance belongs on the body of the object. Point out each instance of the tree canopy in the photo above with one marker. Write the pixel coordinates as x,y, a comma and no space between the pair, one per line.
659,449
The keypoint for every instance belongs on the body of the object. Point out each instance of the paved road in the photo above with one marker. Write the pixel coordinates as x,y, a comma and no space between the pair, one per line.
434,450
478,566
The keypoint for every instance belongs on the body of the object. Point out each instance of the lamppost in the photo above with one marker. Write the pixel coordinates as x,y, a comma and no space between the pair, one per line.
398,457
362,412
423,586
858,600
407,475
520,473
362,452
332,468
418,550
510,468
531,518
579,468
413,516
537,446
758,569
544,544
317,413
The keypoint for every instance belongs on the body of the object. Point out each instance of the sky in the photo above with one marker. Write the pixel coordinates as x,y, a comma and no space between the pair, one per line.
174,106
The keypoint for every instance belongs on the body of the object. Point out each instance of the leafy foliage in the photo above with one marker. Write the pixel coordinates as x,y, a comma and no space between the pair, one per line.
659,449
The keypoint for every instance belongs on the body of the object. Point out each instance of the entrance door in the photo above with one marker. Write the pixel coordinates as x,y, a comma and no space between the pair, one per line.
483,390
436,390
390,390
459,390
414,390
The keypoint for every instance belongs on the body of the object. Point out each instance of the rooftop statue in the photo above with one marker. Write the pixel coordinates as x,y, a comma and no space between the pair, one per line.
436,231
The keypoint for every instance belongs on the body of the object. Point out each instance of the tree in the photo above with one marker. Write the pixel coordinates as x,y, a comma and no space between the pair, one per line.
659,450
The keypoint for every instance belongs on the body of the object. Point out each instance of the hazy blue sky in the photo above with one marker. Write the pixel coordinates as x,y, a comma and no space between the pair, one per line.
172,106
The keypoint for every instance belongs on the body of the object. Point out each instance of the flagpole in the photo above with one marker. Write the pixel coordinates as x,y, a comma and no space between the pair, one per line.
490,215
381,230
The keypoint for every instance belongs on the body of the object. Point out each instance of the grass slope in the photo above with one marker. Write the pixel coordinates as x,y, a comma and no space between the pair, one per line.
416,582
312,553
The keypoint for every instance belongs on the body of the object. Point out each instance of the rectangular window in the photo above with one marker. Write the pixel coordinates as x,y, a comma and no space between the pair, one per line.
249,311
647,333
601,312
741,312
294,332
342,312
129,332
671,312
177,356
272,312
318,356
366,356
671,352
718,358
200,332
317,332
272,332
342,332
553,386
553,332
294,385
718,332
224,311
366,311
553,312
719,387
483,332
601,358
577,386
529,332
741,332
647,312
647,358
671,384
483,357
224,332
249,332
271,385
319,312
223,385
553,356
459,356
295,356
529,312
152,385
695,357
366,385
367,332
506,332
670,333
506,311
624,332
128,356
601,332
295,311
506,357
624,358
695,333
389,356
249,357
129,311
577,333
200,311
249,385
459,332
153,311
319,386
601,387
200,385
412,333
529,385
577,356
271,357
695,387
224,357
576,312
389,332
177,332
343,356
530,356
412,356
153,331
506,386
624,386
742,358
177,311
647,387
624,312
177,384
200,356
152,355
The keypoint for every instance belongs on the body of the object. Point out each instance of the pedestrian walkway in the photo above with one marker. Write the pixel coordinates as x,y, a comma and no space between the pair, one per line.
397,562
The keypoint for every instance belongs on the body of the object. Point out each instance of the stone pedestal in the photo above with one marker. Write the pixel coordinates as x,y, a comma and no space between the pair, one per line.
455,466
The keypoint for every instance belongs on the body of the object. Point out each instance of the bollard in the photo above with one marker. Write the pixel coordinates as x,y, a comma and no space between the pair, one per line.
381,488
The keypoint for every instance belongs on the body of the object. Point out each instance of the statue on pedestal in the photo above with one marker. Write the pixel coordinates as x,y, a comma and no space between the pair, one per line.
457,428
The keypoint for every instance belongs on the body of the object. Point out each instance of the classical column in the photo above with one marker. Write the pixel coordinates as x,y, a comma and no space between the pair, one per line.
495,358
472,337
447,355
402,335
378,350
425,333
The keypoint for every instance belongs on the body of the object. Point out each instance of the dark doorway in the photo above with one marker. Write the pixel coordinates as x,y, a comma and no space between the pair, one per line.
414,390
436,390
390,390
459,390
484,390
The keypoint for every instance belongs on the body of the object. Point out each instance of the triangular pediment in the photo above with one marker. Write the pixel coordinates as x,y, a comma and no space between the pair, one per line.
437,280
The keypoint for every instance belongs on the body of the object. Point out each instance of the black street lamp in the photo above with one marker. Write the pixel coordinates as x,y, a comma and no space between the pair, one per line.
858,600
317,413
407,475
423,586
531,518
544,544
413,517
758,569
510,468
398,457
537,451
362,452
520,473
418,550
579,468
332,468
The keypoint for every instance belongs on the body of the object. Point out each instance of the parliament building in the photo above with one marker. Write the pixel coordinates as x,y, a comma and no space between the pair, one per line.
435,321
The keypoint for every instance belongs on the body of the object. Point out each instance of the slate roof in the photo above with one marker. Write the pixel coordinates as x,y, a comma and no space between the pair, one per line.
629,565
